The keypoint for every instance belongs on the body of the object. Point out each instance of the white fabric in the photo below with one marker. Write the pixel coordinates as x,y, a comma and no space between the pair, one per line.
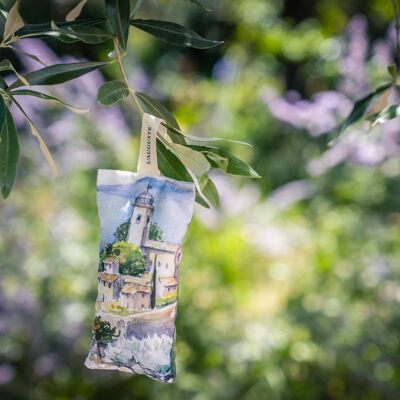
147,162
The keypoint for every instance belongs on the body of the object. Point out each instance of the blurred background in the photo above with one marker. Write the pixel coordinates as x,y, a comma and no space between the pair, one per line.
291,290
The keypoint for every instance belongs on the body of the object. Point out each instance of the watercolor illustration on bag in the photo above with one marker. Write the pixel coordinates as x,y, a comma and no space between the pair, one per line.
142,225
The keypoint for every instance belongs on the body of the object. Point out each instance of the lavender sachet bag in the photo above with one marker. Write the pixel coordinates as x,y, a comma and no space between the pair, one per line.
143,218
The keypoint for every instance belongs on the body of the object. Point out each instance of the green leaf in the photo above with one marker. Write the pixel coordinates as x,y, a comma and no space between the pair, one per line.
231,165
3,83
200,200
2,8
191,159
173,33
112,92
194,138
209,190
3,110
65,36
14,21
359,108
45,29
9,151
42,144
58,73
86,34
170,165
29,55
118,12
218,161
6,65
388,113
44,96
76,11
154,107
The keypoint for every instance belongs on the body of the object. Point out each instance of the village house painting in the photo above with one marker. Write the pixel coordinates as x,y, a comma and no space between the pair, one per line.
157,286
142,223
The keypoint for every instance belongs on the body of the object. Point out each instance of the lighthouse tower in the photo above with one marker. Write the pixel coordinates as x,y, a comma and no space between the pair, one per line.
141,218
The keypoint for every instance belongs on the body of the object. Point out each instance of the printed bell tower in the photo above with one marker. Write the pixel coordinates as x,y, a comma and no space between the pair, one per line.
141,218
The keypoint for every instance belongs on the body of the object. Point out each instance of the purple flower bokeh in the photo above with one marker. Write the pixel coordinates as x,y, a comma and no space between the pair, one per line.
325,110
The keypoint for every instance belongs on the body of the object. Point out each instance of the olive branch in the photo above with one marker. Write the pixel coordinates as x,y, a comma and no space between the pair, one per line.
181,156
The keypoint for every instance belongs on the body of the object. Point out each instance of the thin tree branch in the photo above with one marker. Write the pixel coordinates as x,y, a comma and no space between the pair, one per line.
124,77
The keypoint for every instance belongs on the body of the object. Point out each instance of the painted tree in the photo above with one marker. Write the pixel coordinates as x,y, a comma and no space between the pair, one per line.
156,233
102,334
121,233
131,260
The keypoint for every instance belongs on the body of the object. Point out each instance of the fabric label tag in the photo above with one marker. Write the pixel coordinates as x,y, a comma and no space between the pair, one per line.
147,162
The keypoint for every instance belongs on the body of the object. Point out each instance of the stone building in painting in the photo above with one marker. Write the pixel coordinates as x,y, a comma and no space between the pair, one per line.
159,285
136,293
163,257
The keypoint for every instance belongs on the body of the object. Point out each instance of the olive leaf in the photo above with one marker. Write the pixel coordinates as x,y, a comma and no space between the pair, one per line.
170,166
388,113
42,144
190,158
76,11
85,34
6,65
3,10
58,73
45,29
154,107
29,55
112,92
173,33
62,36
118,12
14,21
45,96
218,161
9,150
200,196
378,104
209,190
207,139
3,83
231,164
359,109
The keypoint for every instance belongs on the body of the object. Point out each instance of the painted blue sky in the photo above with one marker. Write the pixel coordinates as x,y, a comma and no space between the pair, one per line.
173,206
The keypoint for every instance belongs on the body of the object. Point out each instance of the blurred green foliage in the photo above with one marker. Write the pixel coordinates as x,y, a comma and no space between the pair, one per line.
281,297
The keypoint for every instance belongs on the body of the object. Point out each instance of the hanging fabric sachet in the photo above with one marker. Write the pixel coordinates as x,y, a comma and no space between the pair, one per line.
143,218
